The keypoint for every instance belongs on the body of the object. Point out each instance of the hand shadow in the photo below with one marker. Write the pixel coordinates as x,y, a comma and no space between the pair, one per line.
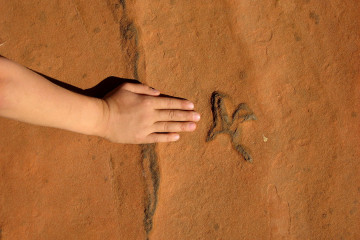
99,90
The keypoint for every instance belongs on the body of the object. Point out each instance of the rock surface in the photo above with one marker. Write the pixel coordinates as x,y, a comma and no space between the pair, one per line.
290,69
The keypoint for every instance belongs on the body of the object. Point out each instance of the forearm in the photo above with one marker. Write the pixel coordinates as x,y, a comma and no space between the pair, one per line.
28,97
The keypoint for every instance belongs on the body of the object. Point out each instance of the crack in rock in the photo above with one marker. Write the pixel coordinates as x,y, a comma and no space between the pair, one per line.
149,162
152,180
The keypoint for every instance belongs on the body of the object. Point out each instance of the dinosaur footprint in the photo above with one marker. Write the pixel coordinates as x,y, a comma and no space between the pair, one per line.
228,124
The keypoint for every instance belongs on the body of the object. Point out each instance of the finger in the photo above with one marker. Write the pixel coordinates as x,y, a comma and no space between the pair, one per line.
174,126
162,137
140,88
177,115
172,103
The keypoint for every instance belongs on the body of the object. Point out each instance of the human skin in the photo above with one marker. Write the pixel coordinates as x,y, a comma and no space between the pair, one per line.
132,113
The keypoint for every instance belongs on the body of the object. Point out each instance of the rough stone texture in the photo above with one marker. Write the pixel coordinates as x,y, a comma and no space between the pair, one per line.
295,64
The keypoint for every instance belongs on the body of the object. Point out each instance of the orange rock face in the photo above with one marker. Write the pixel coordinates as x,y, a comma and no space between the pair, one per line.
275,154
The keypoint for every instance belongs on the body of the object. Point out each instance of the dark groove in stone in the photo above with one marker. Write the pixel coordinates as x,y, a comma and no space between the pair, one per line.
221,116
123,4
129,33
149,161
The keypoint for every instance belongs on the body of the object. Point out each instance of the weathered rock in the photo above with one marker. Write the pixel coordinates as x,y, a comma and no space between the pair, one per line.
285,81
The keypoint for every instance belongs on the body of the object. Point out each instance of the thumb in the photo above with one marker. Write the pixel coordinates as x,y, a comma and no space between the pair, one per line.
140,88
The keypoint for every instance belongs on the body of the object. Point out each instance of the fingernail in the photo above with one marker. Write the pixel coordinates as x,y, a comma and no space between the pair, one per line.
196,116
192,125
191,105
176,137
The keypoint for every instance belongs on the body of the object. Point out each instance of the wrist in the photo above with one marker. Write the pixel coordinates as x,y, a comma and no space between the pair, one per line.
102,112
88,116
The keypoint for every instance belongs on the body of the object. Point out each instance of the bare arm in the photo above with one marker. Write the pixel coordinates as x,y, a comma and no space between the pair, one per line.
133,113
28,97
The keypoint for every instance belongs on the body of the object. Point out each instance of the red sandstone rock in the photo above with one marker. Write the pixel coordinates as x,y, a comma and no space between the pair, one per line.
294,63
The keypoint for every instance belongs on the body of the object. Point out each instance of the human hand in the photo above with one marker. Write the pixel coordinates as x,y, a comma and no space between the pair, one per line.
135,113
